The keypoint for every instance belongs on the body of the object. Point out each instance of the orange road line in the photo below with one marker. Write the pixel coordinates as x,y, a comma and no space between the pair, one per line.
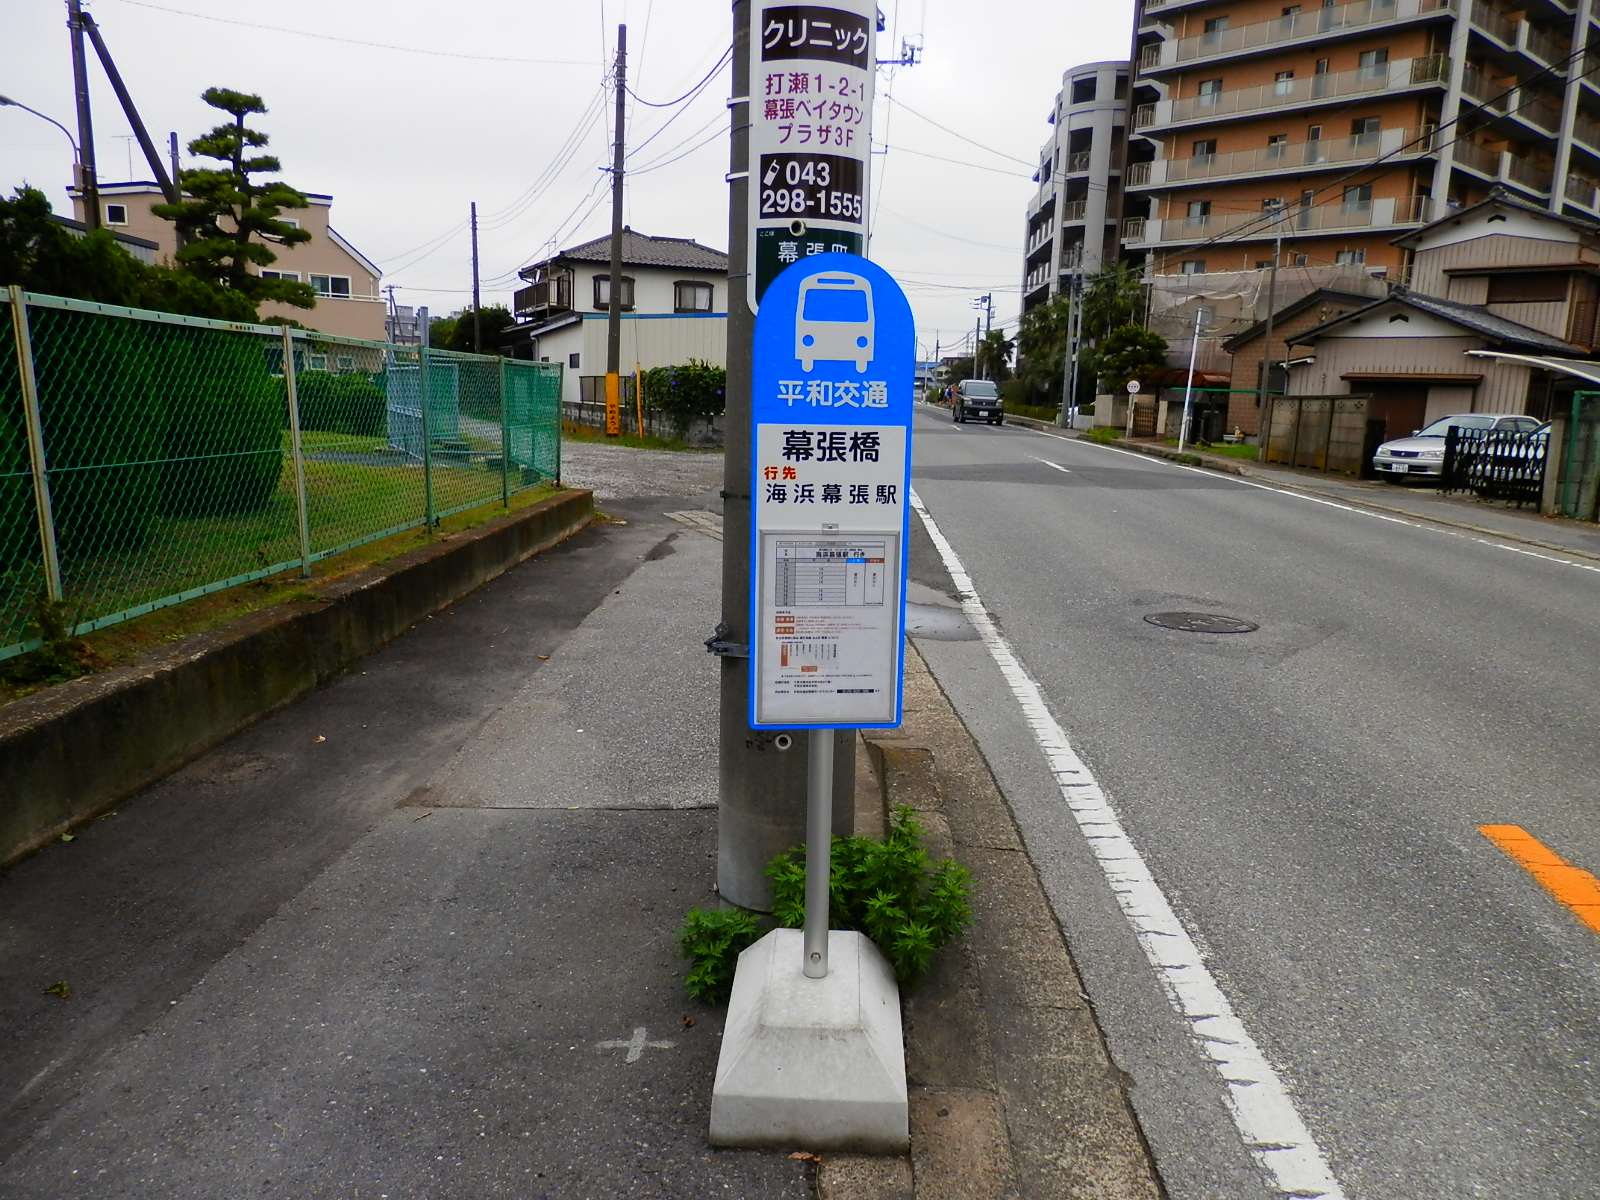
1572,886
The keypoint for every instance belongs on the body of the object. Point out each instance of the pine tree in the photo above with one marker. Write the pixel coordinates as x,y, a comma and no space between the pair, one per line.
227,213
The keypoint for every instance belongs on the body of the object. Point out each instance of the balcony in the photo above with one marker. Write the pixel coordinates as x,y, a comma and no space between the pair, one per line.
1133,229
1039,237
1582,191
1496,25
1296,221
1530,175
1537,109
1404,73
1292,156
1078,162
544,297
1546,47
1314,24
1072,210
1587,134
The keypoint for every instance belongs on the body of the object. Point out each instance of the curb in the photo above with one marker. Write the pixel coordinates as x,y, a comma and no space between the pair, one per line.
1244,471
69,753
992,1115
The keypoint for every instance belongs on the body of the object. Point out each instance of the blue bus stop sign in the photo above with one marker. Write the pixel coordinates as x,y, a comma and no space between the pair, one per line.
835,354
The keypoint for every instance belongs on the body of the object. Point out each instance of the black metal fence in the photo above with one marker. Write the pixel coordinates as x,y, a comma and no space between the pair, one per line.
1496,464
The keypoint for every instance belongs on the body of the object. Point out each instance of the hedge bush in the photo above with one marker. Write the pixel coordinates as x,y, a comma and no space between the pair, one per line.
693,391
102,416
223,417
350,403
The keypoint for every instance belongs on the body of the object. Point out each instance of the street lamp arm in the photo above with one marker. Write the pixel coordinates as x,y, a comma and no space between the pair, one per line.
7,101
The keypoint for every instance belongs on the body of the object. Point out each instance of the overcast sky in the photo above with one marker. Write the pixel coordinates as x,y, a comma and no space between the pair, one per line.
405,111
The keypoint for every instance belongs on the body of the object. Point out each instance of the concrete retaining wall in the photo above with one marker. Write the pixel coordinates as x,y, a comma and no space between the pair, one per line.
70,753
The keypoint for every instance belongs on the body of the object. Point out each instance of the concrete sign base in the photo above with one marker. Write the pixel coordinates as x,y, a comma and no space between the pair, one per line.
814,1064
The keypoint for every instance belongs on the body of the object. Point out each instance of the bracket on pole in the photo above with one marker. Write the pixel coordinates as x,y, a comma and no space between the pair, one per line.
719,644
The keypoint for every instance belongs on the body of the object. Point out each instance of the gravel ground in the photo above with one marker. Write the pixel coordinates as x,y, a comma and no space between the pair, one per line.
614,472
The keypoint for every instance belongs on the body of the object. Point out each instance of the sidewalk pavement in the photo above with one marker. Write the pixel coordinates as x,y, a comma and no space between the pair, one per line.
434,958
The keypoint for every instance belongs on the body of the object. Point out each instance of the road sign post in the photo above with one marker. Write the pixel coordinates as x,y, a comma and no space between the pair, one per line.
812,1056
835,352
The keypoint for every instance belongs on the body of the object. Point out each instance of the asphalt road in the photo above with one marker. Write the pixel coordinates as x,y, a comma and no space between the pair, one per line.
1306,796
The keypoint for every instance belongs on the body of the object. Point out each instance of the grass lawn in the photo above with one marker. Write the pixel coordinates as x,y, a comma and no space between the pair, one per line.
1226,449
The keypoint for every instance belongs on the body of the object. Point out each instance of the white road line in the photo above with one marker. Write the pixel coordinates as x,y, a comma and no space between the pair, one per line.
1048,463
1262,1110
1349,508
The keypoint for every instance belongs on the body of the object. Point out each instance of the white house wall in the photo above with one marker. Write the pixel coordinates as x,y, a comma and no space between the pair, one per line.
1496,246
1503,388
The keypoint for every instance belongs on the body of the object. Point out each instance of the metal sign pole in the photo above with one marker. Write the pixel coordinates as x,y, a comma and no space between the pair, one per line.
819,850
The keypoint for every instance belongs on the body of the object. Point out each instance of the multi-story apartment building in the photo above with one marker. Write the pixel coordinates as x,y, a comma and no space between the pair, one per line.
1071,223
346,282
1349,123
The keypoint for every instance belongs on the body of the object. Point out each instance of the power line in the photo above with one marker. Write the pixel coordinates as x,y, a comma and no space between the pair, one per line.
328,37
726,55
958,162
954,134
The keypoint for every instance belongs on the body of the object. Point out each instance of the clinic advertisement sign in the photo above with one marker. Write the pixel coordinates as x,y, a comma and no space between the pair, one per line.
831,469
811,87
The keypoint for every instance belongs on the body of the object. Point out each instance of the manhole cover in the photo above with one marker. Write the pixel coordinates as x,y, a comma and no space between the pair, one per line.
1201,622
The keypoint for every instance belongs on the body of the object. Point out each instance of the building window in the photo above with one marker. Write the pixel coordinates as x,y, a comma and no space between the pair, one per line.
1283,83
1322,66
1205,147
317,362
1276,143
330,285
1192,266
1216,24
690,296
347,362
1313,133
572,361
602,293
1373,63
291,222
1083,90
1121,91
1345,257
291,276
1268,203
1358,195
1533,287
116,214
1291,10
1300,260
1199,210
1210,89
1365,129
1263,264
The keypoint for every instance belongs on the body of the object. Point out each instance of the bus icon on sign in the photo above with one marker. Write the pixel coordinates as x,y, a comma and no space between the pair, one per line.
833,320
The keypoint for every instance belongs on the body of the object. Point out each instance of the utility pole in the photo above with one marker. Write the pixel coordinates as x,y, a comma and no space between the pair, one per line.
169,187
172,155
477,325
89,181
614,307
761,773
1264,413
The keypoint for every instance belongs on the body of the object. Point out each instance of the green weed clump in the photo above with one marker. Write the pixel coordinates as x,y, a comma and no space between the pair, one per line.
1103,434
711,939
888,890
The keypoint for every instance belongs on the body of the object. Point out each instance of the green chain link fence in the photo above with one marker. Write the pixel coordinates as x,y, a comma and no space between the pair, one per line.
147,458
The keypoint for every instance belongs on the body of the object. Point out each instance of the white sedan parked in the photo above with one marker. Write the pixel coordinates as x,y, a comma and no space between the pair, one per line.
1422,454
